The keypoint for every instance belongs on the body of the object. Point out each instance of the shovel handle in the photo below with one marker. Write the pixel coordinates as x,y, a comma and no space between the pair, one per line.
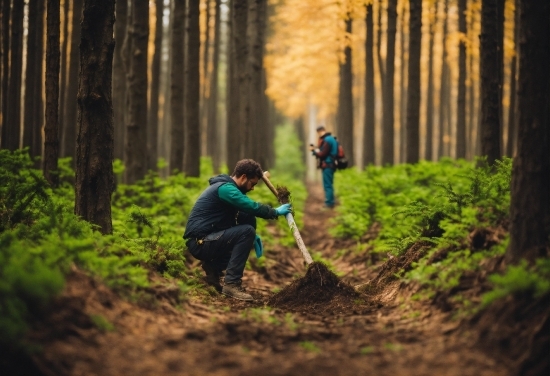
291,222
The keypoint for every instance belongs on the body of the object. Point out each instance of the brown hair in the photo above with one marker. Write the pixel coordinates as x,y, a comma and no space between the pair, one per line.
248,167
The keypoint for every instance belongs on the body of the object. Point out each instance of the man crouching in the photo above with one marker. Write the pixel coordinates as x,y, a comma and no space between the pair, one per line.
221,229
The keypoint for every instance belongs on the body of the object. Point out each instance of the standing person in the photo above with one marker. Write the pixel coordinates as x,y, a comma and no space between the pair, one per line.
221,228
326,155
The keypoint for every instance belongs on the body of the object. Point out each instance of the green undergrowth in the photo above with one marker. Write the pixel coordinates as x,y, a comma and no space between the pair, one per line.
456,210
42,240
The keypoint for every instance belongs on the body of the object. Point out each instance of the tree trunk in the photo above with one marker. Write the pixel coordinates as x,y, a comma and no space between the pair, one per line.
5,72
94,151
257,132
32,132
444,90
135,158
461,99
238,101
429,153
369,156
530,196
403,86
345,101
413,100
51,143
490,84
192,148
512,113
176,86
70,117
212,117
153,122
119,78
206,78
63,74
388,126
12,126
381,64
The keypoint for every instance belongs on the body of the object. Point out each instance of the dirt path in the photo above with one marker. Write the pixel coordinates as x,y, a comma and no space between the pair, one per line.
220,336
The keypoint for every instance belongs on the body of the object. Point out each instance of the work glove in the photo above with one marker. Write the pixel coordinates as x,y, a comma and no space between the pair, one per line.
258,247
284,209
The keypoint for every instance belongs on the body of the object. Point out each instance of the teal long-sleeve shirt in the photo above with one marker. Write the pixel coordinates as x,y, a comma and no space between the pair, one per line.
231,195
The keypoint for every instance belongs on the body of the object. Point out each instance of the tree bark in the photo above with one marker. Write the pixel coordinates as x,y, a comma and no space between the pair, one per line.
388,116
512,113
238,103
153,122
51,142
490,82
5,61
530,196
413,100
136,129
119,78
70,117
381,64
444,90
32,125
94,153
461,98
192,148
368,133
212,116
12,126
63,74
176,86
403,86
429,153
345,101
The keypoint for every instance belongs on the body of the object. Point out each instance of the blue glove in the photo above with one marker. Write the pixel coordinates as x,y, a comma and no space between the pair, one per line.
258,247
283,209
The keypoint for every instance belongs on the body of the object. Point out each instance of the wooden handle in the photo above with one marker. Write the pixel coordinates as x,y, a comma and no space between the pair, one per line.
291,222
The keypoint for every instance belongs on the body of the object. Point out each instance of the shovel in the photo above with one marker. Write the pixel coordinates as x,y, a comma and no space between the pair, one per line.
291,223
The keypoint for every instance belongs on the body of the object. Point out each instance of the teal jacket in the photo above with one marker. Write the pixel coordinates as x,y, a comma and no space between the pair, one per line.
218,208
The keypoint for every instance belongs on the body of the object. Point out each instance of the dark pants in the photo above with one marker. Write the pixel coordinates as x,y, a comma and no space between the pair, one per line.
225,250
328,185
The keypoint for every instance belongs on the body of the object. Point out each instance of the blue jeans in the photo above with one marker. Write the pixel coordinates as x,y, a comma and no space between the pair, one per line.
328,185
225,250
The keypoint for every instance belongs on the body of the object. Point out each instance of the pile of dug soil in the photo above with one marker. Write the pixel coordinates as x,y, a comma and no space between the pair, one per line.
320,291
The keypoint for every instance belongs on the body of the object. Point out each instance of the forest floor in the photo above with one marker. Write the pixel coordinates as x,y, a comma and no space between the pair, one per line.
385,333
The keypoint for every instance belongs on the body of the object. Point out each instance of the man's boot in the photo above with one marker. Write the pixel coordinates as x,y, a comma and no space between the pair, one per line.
237,291
212,276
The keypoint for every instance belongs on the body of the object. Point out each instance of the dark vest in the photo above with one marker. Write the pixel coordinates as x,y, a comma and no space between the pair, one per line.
210,213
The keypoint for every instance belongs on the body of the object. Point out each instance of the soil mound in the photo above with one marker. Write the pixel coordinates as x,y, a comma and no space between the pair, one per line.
320,291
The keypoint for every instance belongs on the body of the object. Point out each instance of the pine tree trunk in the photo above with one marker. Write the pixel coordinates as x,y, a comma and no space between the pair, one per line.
63,74
51,142
33,80
192,148
12,126
135,158
238,104
119,78
490,84
257,134
512,113
403,86
153,122
444,90
461,99
388,116
5,61
206,78
345,101
368,133
213,147
70,117
429,153
176,86
530,196
94,152
381,64
413,100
